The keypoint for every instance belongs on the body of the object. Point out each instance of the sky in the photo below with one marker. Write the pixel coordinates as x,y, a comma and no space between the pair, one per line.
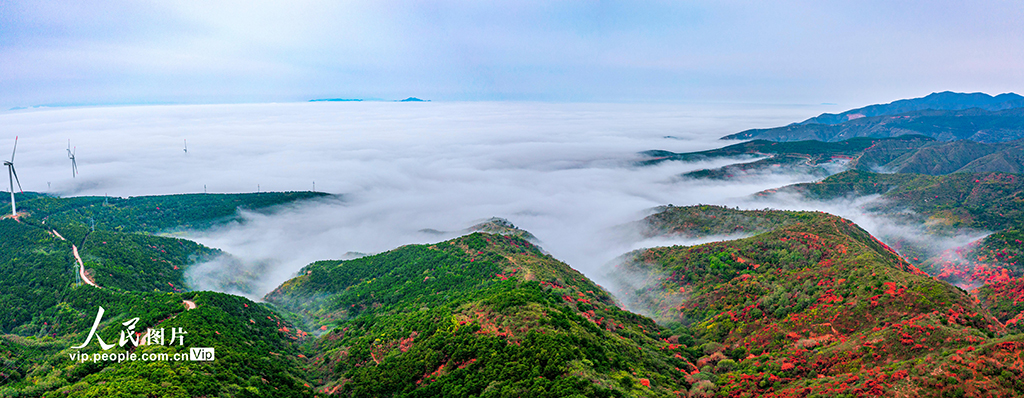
851,53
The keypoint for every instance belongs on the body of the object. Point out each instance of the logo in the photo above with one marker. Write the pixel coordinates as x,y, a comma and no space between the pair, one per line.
200,354
151,336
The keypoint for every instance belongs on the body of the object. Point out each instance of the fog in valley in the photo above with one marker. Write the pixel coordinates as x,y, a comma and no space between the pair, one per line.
564,172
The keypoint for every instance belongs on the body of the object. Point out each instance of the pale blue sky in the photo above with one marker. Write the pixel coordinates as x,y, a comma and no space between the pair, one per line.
804,52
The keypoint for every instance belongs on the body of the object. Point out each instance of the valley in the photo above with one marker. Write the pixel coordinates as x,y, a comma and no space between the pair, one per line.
807,304
762,302
508,199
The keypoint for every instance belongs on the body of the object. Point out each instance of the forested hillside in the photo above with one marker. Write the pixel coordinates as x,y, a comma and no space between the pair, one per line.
256,353
990,201
149,214
980,201
115,237
50,309
480,315
945,125
711,220
903,154
820,307
36,269
805,304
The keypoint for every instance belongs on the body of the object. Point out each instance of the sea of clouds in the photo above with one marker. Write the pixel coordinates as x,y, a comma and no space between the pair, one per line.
564,172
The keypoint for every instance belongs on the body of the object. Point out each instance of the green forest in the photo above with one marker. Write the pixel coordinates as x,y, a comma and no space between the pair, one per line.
800,304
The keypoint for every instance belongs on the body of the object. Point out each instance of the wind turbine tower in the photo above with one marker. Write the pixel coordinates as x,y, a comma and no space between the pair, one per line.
13,176
71,155
185,141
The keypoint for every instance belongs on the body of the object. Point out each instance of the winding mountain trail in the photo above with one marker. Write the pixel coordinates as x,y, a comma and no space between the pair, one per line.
81,268
189,305
81,265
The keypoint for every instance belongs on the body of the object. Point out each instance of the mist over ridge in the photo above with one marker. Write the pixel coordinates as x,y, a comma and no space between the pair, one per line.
520,199
564,172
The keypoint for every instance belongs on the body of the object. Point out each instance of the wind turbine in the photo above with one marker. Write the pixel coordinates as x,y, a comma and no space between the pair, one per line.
13,176
71,155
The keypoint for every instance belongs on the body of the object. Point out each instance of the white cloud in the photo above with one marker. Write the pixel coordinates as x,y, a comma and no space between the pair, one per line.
901,233
562,172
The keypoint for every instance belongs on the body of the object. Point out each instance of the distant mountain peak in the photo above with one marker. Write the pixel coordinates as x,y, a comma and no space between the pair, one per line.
501,226
945,100
945,116
336,100
493,225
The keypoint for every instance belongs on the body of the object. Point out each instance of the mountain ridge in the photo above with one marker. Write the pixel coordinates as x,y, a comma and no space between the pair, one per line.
904,154
944,116
816,306
946,100
467,317
492,314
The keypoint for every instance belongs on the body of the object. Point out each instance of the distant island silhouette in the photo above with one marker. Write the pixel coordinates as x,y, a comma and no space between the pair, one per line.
410,99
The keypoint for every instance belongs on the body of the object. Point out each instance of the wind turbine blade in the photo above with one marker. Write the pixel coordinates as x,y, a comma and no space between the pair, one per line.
15,148
74,166
16,178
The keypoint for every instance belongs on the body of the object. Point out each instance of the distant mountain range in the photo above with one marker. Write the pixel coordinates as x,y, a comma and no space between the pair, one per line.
946,100
904,154
410,99
945,116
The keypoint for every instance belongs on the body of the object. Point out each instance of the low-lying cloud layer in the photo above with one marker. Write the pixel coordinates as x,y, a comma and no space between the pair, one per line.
640,288
906,236
561,171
